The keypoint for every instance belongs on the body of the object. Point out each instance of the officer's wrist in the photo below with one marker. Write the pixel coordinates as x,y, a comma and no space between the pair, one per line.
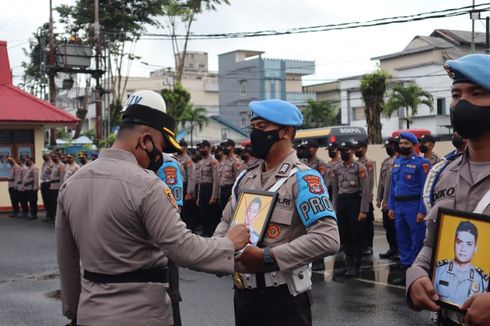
267,257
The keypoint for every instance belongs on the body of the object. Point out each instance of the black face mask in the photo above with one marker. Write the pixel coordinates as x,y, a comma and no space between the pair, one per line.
358,153
332,154
262,142
457,141
470,120
390,151
405,151
218,156
300,154
423,148
345,156
203,153
245,158
308,155
226,151
28,164
155,157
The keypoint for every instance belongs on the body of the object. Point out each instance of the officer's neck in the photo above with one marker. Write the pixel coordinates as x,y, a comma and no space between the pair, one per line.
479,148
335,159
349,162
461,266
277,154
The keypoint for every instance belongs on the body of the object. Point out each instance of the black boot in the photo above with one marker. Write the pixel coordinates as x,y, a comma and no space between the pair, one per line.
318,265
353,269
387,254
347,263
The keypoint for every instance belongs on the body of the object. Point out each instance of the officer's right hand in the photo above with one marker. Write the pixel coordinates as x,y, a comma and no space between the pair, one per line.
362,216
188,197
391,214
239,235
422,294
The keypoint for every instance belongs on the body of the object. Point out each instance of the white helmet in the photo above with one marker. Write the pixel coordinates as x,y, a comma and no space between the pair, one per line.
148,98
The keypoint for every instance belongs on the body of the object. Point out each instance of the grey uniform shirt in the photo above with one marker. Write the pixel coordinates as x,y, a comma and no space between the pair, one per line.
294,244
19,177
330,165
433,159
71,169
116,217
350,179
189,170
46,171
31,178
382,177
207,172
230,170
13,176
456,188
371,171
57,175
319,165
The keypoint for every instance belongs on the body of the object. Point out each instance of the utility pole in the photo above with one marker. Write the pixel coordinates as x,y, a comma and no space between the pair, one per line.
98,100
473,31
52,85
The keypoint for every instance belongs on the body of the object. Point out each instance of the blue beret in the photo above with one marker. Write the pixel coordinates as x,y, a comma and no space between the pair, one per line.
409,136
473,68
277,111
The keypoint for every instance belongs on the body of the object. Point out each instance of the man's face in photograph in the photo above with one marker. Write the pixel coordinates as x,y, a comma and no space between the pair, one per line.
464,247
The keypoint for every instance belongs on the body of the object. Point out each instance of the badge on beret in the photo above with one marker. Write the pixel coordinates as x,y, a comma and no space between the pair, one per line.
168,194
314,184
272,231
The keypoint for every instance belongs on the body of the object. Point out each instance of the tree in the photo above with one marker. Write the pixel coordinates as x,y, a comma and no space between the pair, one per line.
319,114
177,100
35,69
373,88
408,97
195,117
184,12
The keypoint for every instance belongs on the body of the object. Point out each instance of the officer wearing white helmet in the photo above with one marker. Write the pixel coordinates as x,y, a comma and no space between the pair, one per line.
119,224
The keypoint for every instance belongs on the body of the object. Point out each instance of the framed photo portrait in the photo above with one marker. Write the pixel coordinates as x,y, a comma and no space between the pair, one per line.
254,209
460,258
5,152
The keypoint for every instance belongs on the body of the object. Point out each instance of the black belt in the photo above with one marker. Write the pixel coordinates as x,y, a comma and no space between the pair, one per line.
407,198
155,275
351,195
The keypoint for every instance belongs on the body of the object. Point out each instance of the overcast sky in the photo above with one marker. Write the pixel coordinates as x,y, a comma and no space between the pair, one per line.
336,53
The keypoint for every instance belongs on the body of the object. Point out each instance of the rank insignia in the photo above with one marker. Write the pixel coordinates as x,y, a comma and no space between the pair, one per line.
171,198
272,231
284,168
314,184
170,175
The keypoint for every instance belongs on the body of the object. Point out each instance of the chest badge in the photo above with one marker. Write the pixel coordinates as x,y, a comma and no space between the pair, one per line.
272,231
475,286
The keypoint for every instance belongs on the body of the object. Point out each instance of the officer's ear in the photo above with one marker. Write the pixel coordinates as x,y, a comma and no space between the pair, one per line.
287,133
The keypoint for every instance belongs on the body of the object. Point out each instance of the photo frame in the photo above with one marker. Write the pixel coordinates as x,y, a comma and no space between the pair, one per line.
5,153
254,208
460,259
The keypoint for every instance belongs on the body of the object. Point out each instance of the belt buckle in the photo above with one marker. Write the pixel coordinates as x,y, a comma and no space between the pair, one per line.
237,280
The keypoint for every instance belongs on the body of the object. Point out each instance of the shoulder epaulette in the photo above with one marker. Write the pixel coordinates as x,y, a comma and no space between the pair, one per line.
442,262
482,273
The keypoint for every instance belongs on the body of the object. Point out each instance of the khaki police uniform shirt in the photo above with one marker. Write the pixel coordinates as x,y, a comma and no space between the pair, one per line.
433,159
57,175
251,163
31,178
189,170
319,165
294,244
231,167
371,170
387,185
330,172
350,179
46,171
382,179
13,176
207,172
71,169
19,177
455,189
116,217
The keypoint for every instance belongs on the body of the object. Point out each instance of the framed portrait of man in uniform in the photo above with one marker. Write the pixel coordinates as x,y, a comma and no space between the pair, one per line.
460,258
254,209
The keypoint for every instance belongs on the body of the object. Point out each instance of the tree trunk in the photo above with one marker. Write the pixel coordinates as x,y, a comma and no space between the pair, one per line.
373,122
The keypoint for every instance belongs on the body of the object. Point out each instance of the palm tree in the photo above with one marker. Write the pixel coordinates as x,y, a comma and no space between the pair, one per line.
195,117
373,88
408,97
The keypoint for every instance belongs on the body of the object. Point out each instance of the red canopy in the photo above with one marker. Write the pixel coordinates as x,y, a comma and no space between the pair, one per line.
17,105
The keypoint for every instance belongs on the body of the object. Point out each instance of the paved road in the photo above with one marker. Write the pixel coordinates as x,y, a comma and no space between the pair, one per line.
29,282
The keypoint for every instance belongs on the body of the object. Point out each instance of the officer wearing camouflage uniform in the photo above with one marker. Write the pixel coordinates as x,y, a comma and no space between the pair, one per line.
119,224
301,229
463,185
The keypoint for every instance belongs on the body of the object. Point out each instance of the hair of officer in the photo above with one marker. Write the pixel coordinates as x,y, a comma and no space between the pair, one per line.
256,200
467,226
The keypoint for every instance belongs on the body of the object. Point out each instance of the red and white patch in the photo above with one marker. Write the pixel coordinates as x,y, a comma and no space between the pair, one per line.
362,173
189,163
370,166
170,175
314,184
426,167
321,169
272,231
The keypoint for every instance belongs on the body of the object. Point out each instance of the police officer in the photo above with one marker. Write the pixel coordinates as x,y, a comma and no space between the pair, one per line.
21,189
310,150
457,280
427,143
119,223
12,184
188,211
361,147
351,199
249,161
382,199
405,203
230,170
334,154
71,166
31,186
301,229
57,178
463,185
45,180
207,189
82,158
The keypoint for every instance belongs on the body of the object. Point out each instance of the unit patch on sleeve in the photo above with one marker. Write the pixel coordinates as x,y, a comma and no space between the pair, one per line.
426,167
170,173
312,201
168,194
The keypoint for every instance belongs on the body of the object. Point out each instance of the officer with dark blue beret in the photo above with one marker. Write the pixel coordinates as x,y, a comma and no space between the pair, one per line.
405,202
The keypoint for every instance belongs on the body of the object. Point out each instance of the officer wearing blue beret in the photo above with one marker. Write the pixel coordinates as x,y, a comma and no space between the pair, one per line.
463,185
272,282
405,202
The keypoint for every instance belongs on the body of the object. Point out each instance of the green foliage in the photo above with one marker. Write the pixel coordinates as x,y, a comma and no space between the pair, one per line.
89,133
373,89
62,134
177,100
319,114
409,97
107,142
195,117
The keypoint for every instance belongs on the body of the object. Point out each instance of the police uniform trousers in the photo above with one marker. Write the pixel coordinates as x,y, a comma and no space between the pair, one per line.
224,196
32,199
53,202
409,234
389,226
351,229
369,229
188,211
45,196
272,306
14,200
24,203
207,213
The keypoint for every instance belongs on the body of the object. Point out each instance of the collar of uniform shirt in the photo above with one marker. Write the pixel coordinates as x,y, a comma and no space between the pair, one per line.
118,154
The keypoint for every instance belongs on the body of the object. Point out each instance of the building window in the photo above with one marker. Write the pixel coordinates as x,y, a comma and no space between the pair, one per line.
244,119
441,106
243,87
358,113
225,133
16,143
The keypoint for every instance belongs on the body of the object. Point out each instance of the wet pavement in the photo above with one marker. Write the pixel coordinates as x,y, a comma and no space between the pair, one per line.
29,286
